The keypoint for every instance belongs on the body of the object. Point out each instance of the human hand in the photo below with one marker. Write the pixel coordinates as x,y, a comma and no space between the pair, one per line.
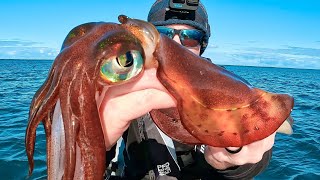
119,105
220,158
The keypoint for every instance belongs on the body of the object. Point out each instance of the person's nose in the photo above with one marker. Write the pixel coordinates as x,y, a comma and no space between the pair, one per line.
176,38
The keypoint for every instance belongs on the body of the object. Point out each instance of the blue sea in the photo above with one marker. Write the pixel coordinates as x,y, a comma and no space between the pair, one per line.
294,157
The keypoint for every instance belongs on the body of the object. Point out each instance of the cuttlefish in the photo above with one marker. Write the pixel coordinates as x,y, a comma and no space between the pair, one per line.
214,106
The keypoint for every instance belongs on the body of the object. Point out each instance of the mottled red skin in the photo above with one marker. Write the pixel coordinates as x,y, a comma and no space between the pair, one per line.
74,79
215,107
168,120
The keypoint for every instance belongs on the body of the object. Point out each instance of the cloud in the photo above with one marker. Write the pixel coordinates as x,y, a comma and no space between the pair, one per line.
28,53
16,43
291,50
253,42
23,49
212,46
12,53
287,56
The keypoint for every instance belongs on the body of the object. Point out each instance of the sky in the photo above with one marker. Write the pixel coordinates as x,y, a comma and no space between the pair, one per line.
272,33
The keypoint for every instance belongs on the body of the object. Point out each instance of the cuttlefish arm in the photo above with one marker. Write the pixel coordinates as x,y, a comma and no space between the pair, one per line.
93,55
73,81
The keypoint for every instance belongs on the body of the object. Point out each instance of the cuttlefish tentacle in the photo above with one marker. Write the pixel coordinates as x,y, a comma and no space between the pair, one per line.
39,112
71,126
43,100
74,81
47,87
55,167
91,144
79,123
72,97
41,93
47,127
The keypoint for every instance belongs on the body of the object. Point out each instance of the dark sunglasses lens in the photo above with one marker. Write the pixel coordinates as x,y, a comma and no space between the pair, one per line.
188,37
178,1
166,31
191,37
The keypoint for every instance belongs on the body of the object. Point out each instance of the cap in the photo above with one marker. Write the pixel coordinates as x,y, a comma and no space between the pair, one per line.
159,15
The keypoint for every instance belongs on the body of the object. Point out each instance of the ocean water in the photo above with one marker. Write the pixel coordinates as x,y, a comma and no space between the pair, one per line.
294,157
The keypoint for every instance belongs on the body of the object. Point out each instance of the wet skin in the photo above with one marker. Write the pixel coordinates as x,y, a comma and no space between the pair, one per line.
214,106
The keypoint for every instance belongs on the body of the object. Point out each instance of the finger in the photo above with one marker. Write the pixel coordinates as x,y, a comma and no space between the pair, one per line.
117,113
148,80
135,104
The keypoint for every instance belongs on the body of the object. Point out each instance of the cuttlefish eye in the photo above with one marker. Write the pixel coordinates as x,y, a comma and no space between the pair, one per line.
123,67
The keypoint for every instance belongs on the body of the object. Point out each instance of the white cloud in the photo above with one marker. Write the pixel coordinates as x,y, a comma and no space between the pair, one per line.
286,56
12,53
23,49
17,43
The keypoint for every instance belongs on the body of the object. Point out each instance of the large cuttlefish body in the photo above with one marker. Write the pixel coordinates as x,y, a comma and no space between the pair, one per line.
214,106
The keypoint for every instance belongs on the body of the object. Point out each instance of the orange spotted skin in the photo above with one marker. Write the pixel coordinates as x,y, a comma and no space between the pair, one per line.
214,106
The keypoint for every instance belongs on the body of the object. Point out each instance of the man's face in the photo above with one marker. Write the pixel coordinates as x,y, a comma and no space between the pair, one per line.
176,38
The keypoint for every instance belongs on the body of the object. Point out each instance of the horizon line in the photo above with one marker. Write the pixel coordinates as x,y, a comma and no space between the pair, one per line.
213,63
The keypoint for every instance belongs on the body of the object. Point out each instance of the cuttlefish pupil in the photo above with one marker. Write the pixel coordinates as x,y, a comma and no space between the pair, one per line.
123,67
125,60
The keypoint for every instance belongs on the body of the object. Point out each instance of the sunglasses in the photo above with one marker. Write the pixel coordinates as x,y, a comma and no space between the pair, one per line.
188,37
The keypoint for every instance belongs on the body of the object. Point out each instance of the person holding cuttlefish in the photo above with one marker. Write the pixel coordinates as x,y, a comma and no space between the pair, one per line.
180,115
149,153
